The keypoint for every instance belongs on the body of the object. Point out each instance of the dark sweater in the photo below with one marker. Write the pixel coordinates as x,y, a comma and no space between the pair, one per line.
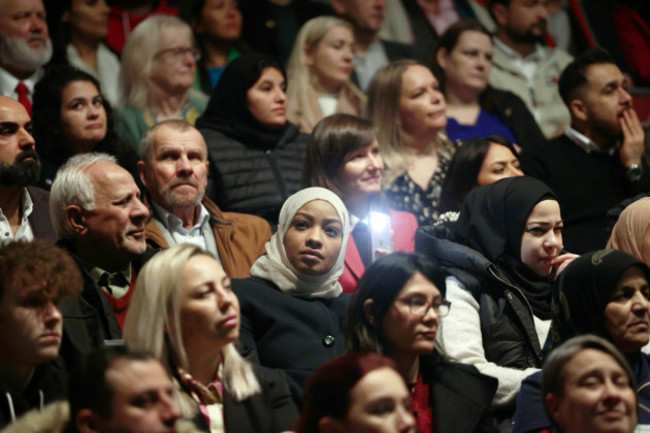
587,185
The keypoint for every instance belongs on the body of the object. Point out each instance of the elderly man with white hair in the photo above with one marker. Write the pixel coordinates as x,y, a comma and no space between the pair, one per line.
98,216
25,46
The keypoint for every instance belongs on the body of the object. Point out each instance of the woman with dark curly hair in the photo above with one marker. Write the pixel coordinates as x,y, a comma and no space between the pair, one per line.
72,116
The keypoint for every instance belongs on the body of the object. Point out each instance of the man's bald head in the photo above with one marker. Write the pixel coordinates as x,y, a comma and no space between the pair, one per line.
19,165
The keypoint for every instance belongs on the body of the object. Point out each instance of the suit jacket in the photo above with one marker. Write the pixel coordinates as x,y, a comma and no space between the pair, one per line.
39,220
270,411
240,238
459,395
403,224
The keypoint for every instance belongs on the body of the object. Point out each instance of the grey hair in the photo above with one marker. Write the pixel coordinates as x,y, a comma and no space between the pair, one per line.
72,185
138,56
145,144
152,322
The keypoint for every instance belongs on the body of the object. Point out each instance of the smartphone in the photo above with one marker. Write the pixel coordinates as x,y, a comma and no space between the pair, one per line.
380,233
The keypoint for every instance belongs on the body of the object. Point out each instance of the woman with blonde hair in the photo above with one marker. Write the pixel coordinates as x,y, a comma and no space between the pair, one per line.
158,66
184,311
319,73
408,109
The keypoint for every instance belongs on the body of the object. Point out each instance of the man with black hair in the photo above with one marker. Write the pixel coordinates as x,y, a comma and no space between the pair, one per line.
24,210
118,389
599,160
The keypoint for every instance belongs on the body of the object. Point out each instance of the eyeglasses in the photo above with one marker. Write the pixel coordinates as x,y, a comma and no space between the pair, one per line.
177,54
420,306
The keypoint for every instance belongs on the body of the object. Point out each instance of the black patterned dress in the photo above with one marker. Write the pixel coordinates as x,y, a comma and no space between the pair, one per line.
405,195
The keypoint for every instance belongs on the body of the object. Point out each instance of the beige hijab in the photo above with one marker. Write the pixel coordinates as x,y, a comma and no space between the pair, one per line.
631,228
276,267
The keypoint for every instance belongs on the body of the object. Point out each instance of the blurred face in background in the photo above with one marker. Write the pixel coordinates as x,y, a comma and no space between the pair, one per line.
499,163
220,20
175,62
468,64
421,103
88,18
267,100
331,60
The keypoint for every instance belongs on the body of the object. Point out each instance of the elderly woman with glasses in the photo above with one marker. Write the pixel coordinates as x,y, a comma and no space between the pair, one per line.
158,66
397,311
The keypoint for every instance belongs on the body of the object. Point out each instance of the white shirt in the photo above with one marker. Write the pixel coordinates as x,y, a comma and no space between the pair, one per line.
366,67
25,231
107,73
328,103
585,143
8,83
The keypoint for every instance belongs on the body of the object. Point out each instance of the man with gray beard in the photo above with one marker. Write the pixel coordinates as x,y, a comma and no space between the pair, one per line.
174,168
24,211
25,47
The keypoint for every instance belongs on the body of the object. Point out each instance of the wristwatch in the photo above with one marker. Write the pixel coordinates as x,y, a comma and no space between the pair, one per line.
634,172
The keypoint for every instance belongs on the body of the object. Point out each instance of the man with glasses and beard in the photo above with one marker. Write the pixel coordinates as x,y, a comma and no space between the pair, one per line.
25,47
24,211
522,64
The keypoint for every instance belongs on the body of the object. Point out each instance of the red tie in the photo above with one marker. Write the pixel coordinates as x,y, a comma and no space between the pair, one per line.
22,92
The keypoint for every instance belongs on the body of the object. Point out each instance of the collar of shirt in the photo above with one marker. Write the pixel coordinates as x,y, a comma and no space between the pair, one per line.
8,83
96,273
24,232
585,143
533,57
175,225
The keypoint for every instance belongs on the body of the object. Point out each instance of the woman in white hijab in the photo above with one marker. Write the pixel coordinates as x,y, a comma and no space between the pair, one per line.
293,307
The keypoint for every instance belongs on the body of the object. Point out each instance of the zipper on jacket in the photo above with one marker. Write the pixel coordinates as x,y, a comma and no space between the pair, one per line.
277,175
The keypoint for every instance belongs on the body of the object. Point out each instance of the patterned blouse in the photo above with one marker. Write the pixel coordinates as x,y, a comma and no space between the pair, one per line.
405,195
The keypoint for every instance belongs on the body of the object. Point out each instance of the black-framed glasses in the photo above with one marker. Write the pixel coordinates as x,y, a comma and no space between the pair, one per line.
420,306
177,54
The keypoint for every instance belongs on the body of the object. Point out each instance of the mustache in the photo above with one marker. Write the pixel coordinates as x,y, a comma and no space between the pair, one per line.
36,37
185,181
27,153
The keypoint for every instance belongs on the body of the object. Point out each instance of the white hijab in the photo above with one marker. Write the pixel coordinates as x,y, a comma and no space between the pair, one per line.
275,266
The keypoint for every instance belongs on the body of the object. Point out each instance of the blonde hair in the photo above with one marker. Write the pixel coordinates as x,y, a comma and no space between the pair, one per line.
152,322
138,58
302,98
383,111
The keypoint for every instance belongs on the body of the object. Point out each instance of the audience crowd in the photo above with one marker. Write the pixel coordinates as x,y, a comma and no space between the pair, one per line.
324,216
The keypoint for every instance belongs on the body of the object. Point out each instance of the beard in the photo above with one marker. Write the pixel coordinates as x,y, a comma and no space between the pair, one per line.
170,201
529,36
17,53
22,172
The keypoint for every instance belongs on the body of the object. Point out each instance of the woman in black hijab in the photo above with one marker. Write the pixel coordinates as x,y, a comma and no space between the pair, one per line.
605,293
255,154
502,261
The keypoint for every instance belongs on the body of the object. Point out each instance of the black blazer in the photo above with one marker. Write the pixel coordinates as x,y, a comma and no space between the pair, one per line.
270,411
39,219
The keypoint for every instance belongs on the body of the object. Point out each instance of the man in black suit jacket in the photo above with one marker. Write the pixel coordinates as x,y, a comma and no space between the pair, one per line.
24,211
371,53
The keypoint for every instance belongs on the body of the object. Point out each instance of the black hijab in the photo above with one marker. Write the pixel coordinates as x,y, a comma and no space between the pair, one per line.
227,110
492,221
583,291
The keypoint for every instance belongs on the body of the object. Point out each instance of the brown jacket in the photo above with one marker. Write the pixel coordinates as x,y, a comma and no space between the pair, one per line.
240,238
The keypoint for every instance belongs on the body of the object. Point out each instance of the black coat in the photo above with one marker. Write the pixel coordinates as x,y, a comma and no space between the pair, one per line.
459,395
88,320
507,324
293,334
48,384
270,411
